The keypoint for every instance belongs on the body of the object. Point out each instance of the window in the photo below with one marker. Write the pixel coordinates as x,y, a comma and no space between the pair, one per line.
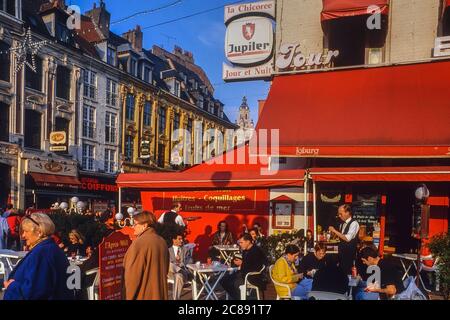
5,62
62,33
32,129
176,122
177,89
147,113
200,102
161,155
90,84
221,112
111,56
110,164
33,79
111,92
351,37
88,122
63,82
4,122
110,127
8,6
130,107
129,148
189,126
148,75
88,157
162,120
133,67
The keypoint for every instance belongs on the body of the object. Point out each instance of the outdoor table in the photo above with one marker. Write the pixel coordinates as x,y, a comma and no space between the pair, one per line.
410,259
227,252
11,258
203,273
77,261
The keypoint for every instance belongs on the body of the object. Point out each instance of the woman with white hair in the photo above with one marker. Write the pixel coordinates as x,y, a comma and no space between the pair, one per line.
42,273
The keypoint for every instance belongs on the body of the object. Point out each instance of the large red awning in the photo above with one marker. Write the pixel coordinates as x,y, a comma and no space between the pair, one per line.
333,9
213,180
46,180
395,111
382,174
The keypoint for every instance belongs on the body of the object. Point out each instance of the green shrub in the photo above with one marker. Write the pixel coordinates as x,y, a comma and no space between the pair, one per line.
93,231
275,245
440,248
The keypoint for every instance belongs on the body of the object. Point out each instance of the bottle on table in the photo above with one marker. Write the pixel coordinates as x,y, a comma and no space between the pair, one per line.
354,270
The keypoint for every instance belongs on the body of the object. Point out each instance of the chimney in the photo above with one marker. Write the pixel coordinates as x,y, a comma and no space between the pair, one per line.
185,56
135,37
101,17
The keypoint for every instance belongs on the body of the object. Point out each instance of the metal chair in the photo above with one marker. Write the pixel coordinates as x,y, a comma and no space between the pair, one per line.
247,286
426,268
92,290
189,252
321,295
279,284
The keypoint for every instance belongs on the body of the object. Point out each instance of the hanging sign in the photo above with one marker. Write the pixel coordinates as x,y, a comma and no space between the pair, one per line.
58,141
249,41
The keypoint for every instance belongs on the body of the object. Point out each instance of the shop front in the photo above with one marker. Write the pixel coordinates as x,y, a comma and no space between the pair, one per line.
50,181
8,174
98,191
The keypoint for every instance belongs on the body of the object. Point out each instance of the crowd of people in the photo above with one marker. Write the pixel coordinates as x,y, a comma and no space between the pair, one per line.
152,260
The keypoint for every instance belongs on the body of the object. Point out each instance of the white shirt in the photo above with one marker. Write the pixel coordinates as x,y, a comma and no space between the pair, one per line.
175,250
178,219
352,231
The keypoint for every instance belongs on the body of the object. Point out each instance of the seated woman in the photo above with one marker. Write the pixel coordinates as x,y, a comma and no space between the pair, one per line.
222,237
284,271
308,266
76,246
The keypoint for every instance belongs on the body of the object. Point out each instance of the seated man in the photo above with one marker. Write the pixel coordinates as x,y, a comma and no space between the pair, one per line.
391,278
308,266
253,259
177,269
330,278
285,272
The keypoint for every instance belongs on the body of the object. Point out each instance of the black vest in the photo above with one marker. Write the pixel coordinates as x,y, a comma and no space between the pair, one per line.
169,217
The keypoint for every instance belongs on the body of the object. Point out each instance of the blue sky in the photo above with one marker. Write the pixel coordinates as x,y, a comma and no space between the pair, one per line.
203,35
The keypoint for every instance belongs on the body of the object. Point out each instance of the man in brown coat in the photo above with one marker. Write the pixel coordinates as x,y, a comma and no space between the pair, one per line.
146,263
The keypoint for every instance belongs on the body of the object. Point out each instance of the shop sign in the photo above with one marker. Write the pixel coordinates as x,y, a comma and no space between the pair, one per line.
290,57
249,41
266,8
441,47
94,184
51,167
111,254
58,141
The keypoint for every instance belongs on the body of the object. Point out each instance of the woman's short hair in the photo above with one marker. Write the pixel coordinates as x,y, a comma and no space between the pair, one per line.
292,249
145,217
226,225
40,222
77,235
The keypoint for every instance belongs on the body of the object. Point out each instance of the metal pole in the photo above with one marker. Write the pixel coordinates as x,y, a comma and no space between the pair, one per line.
314,211
119,205
305,208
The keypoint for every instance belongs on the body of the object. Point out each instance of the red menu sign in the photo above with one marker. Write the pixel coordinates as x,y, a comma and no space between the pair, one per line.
111,253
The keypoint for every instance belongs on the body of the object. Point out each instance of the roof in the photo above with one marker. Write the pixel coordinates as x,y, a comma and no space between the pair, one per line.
407,105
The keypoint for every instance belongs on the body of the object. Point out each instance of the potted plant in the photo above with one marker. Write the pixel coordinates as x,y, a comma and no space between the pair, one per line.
440,248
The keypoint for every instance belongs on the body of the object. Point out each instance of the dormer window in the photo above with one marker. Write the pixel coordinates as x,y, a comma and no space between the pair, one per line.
62,33
148,77
111,56
10,7
200,102
177,88
133,67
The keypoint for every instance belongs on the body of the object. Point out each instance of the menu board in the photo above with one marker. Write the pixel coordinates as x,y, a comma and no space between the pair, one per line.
366,209
111,253
283,212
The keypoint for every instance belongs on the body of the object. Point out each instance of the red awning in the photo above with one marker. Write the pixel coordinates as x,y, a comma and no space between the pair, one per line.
380,111
447,3
382,174
333,9
47,180
213,180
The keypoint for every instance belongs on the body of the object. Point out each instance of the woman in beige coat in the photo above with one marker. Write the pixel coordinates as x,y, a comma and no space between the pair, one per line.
146,263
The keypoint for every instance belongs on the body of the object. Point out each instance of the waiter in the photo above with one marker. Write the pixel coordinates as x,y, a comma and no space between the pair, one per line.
348,234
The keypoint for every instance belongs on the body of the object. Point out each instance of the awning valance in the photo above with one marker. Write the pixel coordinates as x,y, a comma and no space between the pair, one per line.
47,180
333,9
211,180
382,174
394,111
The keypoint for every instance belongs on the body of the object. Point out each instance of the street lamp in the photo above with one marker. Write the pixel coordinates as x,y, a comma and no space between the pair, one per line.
122,223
